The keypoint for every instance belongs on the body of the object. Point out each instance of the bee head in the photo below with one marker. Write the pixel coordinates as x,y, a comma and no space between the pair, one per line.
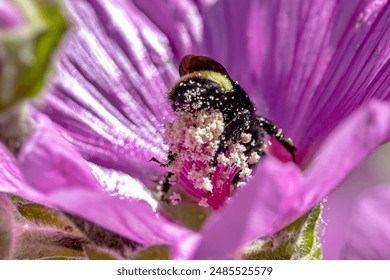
203,84
195,63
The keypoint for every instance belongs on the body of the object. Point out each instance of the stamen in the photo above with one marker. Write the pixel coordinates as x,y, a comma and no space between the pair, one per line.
199,166
217,138
175,198
203,202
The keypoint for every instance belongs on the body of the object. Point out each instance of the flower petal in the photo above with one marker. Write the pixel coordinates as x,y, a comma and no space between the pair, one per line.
11,179
358,70
131,218
179,20
49,163
229,38
339,205
280,193
337,60
110,94
253,212
306,64
368,235
346,147
120,184
64,179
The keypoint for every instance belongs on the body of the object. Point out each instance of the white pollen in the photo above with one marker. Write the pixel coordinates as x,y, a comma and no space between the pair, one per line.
245,173
207,185
246,137
203,202
175,198
195,137
253,158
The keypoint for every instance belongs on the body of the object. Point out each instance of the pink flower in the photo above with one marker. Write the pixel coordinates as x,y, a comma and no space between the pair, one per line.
313,67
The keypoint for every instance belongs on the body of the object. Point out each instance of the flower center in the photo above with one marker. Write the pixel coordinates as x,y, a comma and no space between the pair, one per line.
202,162
216,139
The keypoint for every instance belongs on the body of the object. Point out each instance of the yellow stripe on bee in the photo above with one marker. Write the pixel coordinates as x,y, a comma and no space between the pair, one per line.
219,78
222,80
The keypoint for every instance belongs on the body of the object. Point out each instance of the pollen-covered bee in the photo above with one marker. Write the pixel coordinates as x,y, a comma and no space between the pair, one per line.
217,137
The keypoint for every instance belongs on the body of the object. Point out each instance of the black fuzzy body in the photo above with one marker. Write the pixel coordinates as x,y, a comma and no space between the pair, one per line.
198,93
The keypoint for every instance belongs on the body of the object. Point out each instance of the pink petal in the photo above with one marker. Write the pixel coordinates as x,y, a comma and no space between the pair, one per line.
324,60
279,193
358,70
110,94
368,235
11,179
49,163
346,147
307,64
255,211
62,178
179,20
122,185
339,205
231,35
131,218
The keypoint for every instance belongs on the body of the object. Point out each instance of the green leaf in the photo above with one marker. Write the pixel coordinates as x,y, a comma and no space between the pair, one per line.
157,252
97,253
15,198
7,228
42,215
44,243
32,78
299,240
28,50
105,238
308,245
107,245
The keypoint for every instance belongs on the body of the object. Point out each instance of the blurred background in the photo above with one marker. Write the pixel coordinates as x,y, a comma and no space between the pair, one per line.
339,206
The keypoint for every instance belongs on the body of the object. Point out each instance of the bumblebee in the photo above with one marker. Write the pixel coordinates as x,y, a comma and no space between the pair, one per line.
205,91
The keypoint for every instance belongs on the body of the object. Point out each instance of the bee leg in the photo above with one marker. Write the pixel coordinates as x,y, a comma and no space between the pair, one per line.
272,129
164,187
159,162
171,157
